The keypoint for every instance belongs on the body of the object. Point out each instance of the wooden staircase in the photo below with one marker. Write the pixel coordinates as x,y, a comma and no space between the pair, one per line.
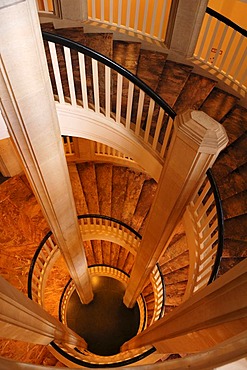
127,195
182,89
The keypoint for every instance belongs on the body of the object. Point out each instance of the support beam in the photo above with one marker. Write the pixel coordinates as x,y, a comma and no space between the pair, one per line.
28,109
222,302
22,319
197,140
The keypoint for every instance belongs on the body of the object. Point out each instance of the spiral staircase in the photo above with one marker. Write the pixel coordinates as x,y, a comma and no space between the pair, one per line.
126,193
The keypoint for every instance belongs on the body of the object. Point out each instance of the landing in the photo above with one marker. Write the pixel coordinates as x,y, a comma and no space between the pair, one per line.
105,323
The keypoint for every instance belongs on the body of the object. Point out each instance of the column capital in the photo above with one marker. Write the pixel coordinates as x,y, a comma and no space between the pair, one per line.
208,135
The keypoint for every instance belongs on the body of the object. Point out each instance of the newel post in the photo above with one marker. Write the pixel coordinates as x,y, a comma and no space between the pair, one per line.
196,142
27,105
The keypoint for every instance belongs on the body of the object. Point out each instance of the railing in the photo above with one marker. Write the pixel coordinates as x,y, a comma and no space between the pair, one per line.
68,145
102,270
44,259
204,227
84,79
143,17
222,45
92,227
107,228
85,357
105,150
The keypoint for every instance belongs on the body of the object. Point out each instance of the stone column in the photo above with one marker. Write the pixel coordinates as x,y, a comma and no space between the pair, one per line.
217,312
187,26
197,140
28,109
22,319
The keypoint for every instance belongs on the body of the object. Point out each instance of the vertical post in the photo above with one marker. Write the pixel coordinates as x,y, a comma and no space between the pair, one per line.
187,25
29,112
197,140
23,319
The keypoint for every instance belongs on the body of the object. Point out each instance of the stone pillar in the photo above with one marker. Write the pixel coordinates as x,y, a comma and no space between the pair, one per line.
217,312
22,319
187,26
29,112
197,140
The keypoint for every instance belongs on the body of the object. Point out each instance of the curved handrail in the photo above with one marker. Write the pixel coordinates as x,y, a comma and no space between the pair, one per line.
35,257
111,64
204,227
227,21
220,217
109,218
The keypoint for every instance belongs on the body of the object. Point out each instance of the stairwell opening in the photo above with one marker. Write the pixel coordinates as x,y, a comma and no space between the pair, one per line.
105,323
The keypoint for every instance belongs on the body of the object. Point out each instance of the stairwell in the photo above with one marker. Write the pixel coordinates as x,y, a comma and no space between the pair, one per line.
126,194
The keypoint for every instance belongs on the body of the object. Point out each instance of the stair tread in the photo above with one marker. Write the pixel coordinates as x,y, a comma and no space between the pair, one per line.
235,228
144,204
218,104
234,248
172,81
176,263
106,251
234,156
89,185
104,187
235,205
235,183
133,190
228,263
177,276
235,123
89,252
195,91
175,249
119,186
80,201
150,61
126,54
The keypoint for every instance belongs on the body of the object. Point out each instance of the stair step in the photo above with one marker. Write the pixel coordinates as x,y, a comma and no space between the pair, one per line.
89,251
89,185
178,288
235,183
80,201
144,204
177,276
129,262
175,264
235,228
115,250
134,187
234,156
119,186
150,61
47,27
127,54
194,93
234,248
177,246
235,123
73,33
228,263
123,254
218,104
236,205
104,187
106,251
172,81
